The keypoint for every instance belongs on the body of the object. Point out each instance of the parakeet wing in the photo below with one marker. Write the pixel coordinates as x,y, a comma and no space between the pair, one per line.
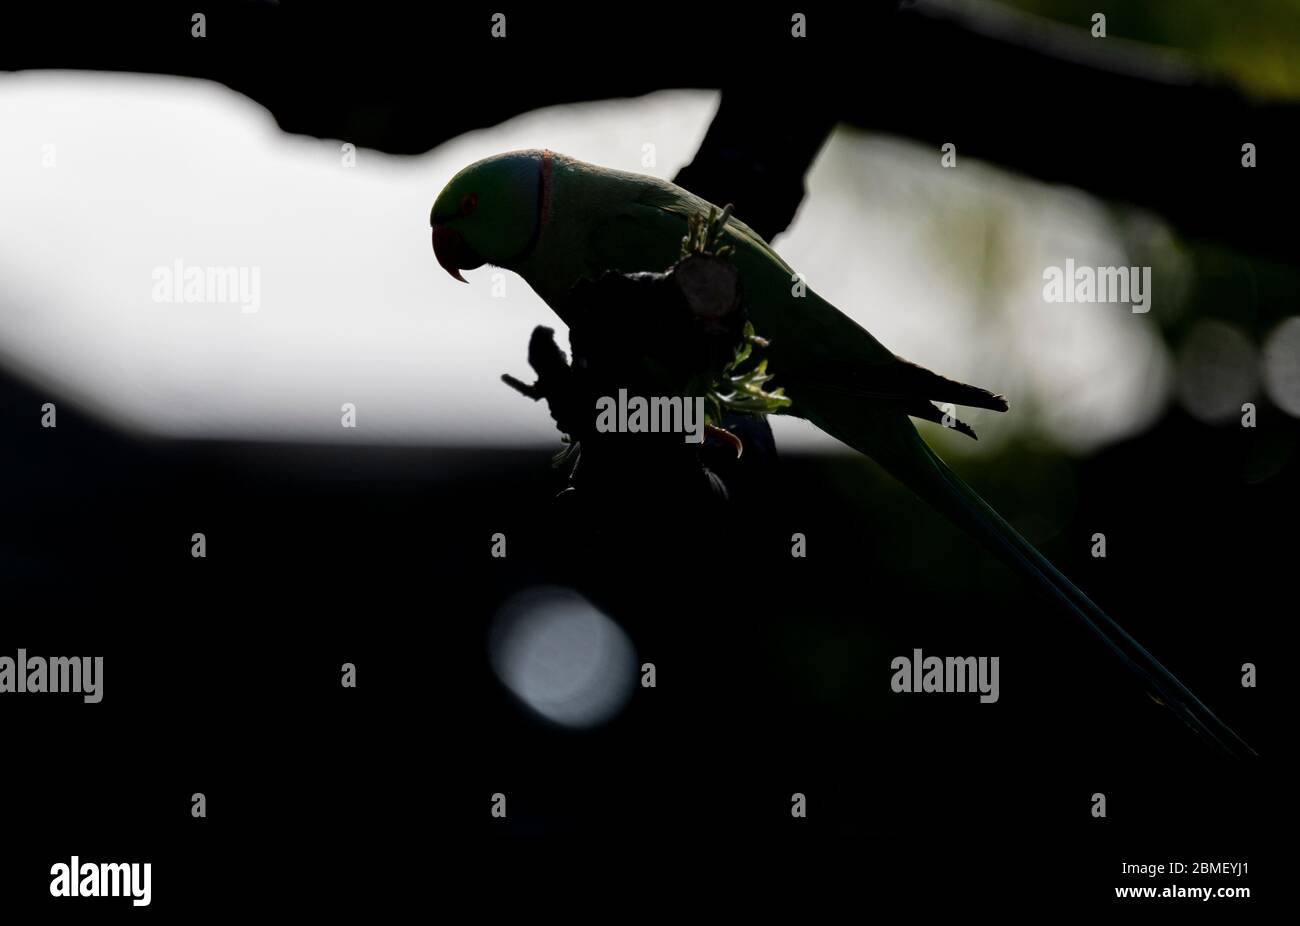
815,347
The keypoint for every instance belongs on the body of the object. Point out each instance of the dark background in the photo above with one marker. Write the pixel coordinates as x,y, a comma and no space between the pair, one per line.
222,674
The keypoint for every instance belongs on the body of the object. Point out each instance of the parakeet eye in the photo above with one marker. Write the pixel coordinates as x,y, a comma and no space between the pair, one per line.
468,203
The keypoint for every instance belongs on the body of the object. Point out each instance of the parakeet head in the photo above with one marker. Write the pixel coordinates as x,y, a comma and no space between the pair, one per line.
490,212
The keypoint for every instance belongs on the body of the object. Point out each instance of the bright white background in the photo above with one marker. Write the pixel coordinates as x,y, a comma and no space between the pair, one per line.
944,266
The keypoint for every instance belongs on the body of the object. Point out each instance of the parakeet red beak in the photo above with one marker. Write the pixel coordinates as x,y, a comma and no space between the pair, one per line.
453,253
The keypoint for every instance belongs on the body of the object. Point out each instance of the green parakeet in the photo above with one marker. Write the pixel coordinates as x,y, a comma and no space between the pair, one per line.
555,221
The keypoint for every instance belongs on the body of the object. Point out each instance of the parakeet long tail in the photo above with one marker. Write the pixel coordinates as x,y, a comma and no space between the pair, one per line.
929,477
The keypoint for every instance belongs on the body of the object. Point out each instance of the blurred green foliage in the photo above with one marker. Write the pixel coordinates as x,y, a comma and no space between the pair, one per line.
1256,43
